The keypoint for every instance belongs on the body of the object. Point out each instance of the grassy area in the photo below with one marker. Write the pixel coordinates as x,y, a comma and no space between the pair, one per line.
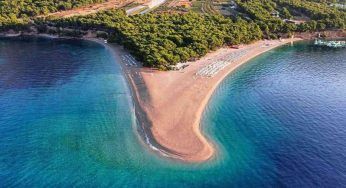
131,5
204,7
208,7
197,6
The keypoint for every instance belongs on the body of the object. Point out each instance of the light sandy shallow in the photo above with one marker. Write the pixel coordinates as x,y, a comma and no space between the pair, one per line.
169,104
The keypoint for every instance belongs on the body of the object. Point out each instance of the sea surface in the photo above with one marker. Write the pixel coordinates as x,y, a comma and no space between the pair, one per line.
67,119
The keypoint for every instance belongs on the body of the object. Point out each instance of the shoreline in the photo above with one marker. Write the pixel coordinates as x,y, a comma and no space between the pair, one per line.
144,91
143,123
172,126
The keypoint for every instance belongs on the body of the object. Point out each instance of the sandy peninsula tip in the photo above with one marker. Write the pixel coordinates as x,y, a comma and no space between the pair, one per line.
169,104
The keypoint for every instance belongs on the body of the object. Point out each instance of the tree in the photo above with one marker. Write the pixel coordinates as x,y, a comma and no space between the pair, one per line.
286,13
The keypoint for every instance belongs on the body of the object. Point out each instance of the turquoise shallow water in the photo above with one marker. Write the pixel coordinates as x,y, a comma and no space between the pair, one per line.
66,119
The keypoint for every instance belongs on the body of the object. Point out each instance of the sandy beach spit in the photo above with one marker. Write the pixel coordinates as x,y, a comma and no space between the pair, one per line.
169,104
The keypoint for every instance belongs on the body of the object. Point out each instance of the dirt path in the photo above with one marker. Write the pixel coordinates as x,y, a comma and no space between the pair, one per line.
90,9
146,7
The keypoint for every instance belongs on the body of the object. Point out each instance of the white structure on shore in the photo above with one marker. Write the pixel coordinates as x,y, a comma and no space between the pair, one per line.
338,5
332,44
179,66
212,69
129,60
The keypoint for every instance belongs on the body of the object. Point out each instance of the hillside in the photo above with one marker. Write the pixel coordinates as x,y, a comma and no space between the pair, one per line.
14,13
173,34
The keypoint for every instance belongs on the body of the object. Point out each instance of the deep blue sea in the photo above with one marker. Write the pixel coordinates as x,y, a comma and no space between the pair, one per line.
67,119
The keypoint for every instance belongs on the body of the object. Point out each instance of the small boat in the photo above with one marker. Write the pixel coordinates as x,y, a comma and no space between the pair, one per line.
105,41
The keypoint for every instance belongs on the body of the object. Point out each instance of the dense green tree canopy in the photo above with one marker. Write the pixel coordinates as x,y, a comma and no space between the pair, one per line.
318,14
18,12
163,39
